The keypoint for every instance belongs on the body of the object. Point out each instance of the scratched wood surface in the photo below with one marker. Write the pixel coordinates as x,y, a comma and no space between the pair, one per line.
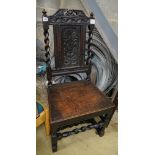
76,99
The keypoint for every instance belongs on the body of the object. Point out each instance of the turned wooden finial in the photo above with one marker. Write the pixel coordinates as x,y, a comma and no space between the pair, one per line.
92,19
44,12
91,15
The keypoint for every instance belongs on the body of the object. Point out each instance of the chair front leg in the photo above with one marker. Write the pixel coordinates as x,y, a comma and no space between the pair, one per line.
54,138
54,142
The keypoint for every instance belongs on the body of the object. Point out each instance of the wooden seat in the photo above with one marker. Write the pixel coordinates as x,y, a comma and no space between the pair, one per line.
70,100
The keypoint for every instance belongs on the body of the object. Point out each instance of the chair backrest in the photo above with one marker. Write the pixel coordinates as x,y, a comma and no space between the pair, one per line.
69,28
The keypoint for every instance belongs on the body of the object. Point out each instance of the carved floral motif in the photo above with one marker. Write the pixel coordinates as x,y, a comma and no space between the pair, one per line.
70,41
68,16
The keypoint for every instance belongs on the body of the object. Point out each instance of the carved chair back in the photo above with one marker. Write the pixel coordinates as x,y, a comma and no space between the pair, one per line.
69,28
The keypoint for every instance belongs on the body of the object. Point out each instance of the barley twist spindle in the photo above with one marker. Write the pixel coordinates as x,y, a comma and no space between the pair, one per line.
47,47
90,34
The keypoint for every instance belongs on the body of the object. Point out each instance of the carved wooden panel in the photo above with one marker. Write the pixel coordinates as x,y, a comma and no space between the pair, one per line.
66,16
69,44
69,27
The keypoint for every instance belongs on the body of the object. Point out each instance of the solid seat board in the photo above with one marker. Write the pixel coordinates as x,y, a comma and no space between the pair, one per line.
71,100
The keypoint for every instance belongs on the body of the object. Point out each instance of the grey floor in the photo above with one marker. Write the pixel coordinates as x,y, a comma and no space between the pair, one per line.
86,143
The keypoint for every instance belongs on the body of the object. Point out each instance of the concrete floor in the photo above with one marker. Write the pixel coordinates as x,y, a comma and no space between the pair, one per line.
86,143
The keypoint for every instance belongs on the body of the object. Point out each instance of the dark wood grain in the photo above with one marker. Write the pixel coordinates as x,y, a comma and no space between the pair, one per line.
74,99
69,49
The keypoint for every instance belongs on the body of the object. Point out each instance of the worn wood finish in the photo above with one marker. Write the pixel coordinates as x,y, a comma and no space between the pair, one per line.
76,99
80,101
